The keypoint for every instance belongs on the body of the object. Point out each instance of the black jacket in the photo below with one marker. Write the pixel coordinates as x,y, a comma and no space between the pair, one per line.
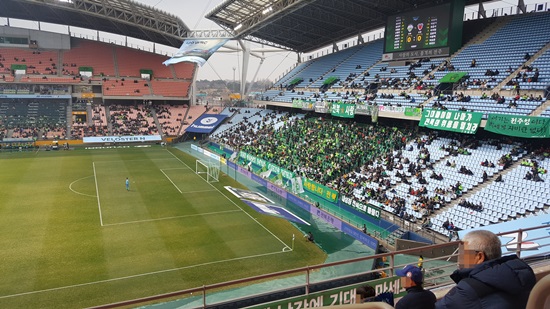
417,298
503,283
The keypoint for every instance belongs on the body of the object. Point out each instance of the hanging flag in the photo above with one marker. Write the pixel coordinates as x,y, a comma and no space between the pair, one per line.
196,50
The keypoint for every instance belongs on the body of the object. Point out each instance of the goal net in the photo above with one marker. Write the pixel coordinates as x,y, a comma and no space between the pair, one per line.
210,171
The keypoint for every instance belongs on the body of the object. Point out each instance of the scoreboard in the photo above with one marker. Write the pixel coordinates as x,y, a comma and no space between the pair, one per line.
418,33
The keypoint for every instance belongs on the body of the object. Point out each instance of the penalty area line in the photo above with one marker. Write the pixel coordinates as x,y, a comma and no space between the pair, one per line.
232,202
171,218
141,275
171,182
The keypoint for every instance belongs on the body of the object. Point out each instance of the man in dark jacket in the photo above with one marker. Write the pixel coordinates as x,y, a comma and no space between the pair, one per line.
486,279
417,297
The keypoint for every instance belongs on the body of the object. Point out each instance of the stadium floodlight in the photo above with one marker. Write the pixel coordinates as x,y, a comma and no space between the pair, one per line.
239,26
268,10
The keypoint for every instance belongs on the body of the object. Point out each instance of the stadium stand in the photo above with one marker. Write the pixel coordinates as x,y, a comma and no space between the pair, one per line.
132,120
170,117
131,87
131,61
83,53
39,62
520,35
170,88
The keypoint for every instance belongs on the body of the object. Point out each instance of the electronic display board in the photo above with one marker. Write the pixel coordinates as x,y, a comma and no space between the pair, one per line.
418,33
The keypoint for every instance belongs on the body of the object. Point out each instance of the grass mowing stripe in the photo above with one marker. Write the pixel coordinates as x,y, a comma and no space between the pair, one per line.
287,246
170,218
55,255
142,275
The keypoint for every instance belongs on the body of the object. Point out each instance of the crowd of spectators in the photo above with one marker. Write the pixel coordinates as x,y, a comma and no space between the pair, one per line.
131,120
324,150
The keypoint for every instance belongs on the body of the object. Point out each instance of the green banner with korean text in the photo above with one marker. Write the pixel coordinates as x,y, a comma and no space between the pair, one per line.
320,190
266,165
371,210
344,110
413,111
339,296
519,126
455,121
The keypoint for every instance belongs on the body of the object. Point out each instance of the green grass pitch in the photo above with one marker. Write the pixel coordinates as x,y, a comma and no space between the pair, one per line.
72,236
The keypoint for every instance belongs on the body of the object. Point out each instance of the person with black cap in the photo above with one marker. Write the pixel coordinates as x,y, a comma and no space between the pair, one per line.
417,297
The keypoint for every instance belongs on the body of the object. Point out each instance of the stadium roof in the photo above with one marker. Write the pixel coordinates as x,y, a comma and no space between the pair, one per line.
307,25
121,17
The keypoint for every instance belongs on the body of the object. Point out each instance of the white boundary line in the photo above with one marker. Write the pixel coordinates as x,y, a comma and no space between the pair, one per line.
234,204
166,270
171,218
136,160
198,191
171,181
71,187
97,194
139,275
176,168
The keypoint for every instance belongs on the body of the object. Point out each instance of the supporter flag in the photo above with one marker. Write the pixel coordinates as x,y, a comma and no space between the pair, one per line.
196,50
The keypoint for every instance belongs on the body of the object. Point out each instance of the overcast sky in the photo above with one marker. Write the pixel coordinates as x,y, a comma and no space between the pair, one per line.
221,64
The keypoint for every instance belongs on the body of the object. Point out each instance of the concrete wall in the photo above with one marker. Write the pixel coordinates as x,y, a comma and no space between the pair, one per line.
45,40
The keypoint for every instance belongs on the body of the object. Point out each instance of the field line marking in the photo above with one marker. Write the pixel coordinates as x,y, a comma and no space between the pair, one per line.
141,275
198,191
135,160
176,168
97,194
265,228
171,218
71,187
171,181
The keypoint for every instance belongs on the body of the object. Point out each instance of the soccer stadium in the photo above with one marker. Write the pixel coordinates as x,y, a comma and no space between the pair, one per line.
403,128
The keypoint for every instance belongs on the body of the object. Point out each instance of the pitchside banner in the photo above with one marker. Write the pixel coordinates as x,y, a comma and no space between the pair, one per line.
196,50
368,209
308,105
413,111
519,126
343,110
340,296
268,165
320,190
455,121
123,139
206,123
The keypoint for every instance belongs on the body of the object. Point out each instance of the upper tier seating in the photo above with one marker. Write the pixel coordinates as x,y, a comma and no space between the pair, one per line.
126,87
131,61
542,65
506,48
84,53
37,61
184,70
170,88
321,66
